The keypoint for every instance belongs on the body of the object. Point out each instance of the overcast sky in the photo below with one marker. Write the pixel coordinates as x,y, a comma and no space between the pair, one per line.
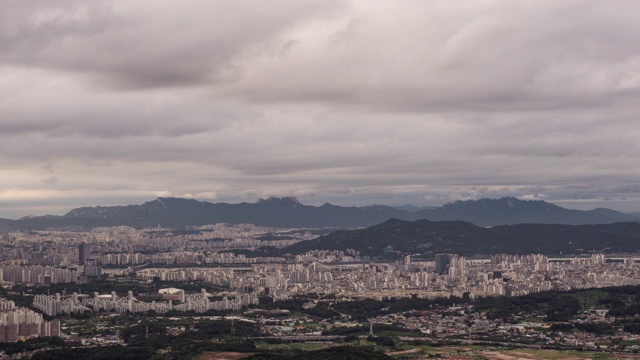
348,102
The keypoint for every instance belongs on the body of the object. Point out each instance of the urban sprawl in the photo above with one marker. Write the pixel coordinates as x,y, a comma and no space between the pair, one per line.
205,255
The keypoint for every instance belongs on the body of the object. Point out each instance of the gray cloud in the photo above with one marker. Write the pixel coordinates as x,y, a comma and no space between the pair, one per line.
145,44
353,103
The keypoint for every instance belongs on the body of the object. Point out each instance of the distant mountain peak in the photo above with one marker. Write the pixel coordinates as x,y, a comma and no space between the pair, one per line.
504,202
159,201
163,200
507,200
511,210
287,200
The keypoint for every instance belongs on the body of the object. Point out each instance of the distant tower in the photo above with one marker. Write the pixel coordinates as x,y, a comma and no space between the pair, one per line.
370,328
82,254
442,263
233,328
146,333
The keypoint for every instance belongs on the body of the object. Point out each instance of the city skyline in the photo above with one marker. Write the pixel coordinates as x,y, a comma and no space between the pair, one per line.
352,103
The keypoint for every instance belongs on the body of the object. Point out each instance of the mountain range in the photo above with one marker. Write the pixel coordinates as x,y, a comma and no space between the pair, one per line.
289,212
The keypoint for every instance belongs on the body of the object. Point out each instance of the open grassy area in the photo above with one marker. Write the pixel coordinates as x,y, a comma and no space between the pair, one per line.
462,351
291,346
547,355
492,353
311,325
427,349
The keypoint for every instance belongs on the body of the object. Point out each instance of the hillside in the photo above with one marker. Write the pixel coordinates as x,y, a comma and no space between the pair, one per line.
509,210
278,212
427,237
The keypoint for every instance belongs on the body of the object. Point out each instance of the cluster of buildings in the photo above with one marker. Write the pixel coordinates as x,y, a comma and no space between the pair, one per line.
215,276
200,303
124,246
186,258
75,303
448,275
19,323
38,274
128,246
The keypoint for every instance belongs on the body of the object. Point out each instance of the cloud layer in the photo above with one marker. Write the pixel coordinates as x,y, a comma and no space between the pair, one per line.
351,102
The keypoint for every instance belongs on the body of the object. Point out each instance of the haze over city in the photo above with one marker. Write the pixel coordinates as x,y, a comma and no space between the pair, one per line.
347,102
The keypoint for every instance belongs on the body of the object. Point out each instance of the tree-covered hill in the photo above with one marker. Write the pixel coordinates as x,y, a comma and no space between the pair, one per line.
423,236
